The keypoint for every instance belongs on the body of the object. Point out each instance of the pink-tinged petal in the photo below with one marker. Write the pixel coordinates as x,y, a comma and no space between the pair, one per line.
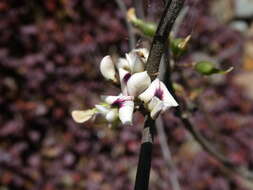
149,93
110,99
80,116
137,83
112,115
124,77
107,68
168,99
126,112
119,102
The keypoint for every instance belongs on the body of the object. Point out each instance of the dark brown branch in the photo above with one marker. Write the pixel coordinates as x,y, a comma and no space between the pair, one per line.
144,164
157,49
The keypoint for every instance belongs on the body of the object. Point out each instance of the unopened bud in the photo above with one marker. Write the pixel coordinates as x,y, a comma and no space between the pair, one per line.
209,68
147,28
179,45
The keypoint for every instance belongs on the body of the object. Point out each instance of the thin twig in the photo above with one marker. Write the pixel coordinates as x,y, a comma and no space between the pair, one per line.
160,125
138,4
167,155
132,40
192,129
241,171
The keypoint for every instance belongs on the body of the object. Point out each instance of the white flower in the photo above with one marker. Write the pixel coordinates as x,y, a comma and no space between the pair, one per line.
114,109
158,98
125,106
107,68
133,79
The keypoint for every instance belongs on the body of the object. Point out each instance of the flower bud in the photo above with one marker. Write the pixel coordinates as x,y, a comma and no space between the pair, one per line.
147,28
208,68
179,45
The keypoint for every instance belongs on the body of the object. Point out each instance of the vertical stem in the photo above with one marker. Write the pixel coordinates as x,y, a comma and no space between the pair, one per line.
173,175
157,49
144,164
169,16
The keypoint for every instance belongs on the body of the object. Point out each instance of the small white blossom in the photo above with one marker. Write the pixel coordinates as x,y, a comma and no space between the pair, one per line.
133,79
125,106
158,98
135,82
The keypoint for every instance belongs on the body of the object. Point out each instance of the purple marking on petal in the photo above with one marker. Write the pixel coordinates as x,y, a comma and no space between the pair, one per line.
126,77
118,103
159,93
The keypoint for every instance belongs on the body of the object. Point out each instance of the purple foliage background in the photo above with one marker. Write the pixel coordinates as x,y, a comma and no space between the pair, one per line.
49,65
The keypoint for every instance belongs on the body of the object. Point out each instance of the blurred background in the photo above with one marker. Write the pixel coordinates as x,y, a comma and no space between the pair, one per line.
50,52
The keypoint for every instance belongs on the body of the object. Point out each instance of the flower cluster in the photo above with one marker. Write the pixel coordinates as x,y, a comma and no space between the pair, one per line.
135,85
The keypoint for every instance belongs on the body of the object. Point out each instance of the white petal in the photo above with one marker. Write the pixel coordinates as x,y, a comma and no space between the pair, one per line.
149,93
107,68
126,112
102,109
135,62
168,99
154,101
122,74
112,115
123,64
156,107
80,116
137,83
